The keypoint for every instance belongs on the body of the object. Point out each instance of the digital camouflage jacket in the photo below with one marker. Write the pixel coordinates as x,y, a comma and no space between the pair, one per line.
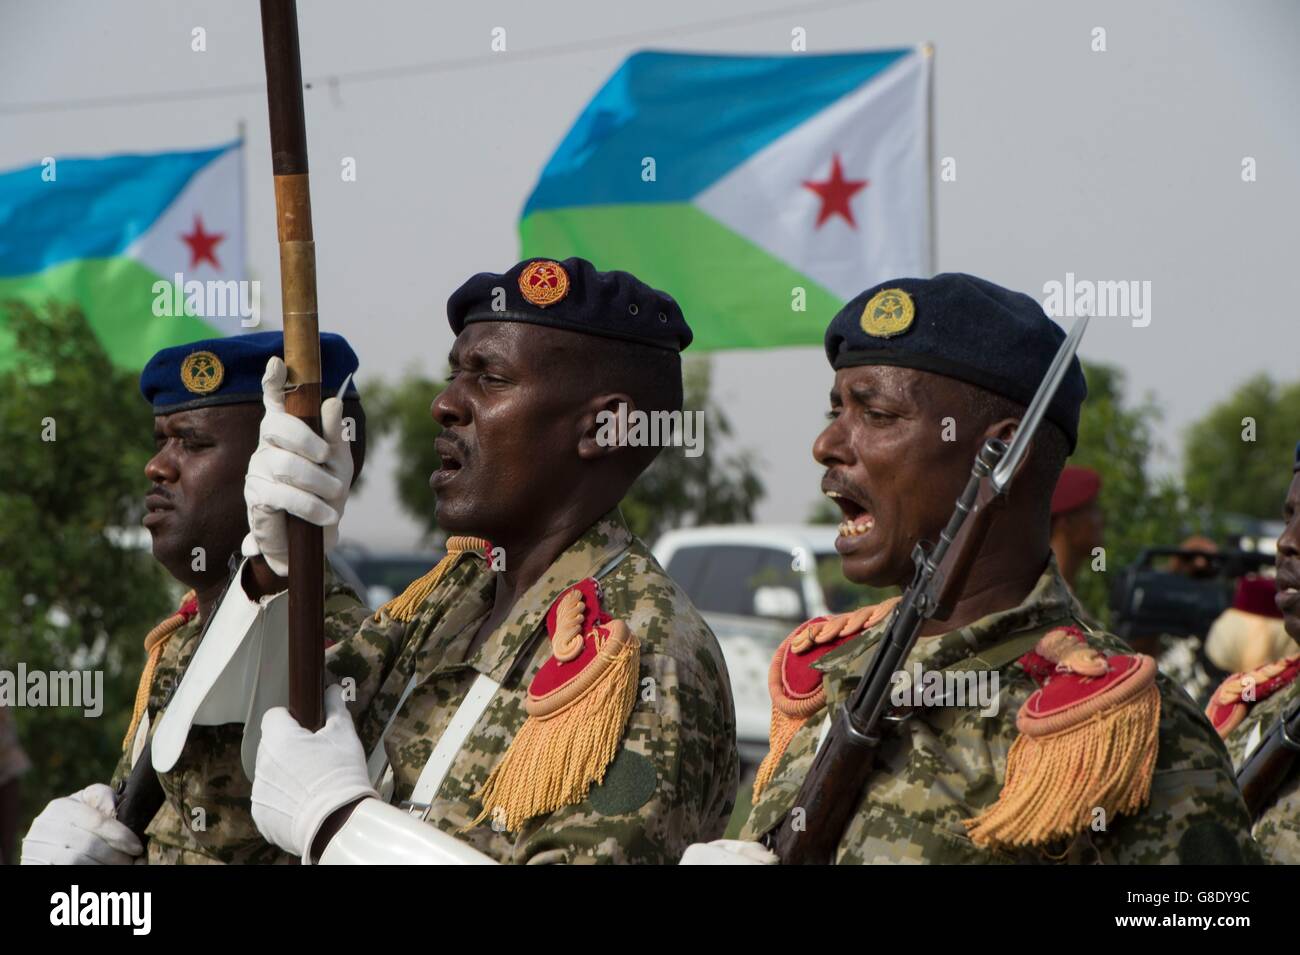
673,779
946,764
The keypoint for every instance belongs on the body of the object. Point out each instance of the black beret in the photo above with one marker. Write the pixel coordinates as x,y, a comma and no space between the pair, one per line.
961,327
574,296
228,371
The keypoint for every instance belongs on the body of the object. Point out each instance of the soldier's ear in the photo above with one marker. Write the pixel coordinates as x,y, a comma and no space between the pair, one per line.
603,425
1005,430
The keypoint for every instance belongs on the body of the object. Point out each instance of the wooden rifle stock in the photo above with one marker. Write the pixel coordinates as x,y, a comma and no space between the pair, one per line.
1270,764
301,344
828,797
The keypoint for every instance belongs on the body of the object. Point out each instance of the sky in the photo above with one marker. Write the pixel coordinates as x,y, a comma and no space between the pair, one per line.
1116,165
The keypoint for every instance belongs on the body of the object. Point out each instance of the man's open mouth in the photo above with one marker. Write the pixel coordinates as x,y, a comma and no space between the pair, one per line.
858,519
451,457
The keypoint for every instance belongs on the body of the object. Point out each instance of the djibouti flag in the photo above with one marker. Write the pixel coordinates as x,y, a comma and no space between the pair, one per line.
762,192
151,247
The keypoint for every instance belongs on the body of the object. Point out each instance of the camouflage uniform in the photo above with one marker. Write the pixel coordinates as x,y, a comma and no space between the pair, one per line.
672,782
209,774
946,764
1277,830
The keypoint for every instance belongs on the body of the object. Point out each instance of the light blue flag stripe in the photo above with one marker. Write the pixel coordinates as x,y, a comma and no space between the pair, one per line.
94,208
698,116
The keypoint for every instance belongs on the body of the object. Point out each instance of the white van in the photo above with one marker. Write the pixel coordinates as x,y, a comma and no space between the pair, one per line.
753,584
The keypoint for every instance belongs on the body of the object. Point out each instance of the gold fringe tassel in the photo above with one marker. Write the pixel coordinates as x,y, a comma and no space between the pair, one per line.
404,605
555,758
154,642
1054,782
779,736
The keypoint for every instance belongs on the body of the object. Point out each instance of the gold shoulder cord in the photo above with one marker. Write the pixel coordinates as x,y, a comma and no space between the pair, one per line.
404,606
154,642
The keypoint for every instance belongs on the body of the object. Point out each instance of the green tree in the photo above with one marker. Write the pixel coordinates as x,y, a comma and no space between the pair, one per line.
79,588
403,409
718,486
675,491
1237,458
1117,438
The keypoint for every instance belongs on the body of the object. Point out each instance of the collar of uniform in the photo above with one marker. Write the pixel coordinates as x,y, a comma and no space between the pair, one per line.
1050,601
586,557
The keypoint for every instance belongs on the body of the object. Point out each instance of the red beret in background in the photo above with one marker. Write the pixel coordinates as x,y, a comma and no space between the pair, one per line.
1257,595
1077,487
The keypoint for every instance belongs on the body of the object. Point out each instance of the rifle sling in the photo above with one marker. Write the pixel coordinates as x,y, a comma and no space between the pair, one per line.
998,656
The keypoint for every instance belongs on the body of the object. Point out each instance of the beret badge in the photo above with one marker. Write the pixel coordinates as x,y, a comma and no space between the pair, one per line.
889,312
544,282
202,372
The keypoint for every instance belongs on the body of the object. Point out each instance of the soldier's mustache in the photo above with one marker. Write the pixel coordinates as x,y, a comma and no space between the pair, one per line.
447,441
158,490
832,481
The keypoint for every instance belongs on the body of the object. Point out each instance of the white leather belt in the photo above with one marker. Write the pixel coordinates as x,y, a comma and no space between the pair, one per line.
462,723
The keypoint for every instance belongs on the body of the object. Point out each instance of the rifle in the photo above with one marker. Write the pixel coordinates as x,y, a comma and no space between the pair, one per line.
1270,763
301,345
829,794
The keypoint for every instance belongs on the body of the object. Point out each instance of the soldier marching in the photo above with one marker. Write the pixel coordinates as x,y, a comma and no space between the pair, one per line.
547,694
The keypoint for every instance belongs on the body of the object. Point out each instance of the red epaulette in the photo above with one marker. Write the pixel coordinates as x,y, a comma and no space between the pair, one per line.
1239,692
796,685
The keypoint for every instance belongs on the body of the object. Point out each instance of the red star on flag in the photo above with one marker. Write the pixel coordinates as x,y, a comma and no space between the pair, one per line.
202,244
835,193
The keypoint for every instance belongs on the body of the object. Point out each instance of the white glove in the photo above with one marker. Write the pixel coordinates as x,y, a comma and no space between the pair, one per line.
728,852
301,777
80,830
294,471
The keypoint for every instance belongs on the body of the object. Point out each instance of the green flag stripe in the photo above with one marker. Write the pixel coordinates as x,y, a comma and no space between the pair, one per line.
716,275
117,297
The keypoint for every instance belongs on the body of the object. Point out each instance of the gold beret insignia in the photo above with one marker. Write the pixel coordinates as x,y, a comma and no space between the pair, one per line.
544,282
202,372
889,313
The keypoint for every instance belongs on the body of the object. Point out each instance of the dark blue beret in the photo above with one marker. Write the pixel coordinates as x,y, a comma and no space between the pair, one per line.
574,296
228,371
961,327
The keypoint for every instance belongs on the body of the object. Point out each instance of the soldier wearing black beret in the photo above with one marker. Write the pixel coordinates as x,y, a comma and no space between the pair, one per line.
1037,739
545,693
207,404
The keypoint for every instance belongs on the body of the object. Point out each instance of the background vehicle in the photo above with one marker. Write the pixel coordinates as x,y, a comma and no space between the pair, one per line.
753,584
382,576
